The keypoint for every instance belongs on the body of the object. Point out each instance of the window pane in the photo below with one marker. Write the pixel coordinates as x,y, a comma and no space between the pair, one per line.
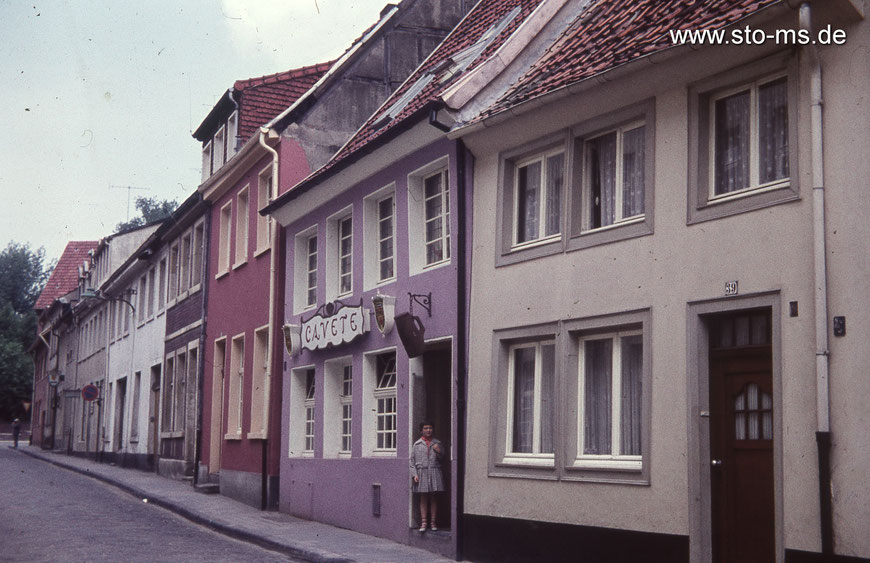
732,143
555,179
548,398
632,368
528,201
601,154
524,399
633,172
597,388
773,131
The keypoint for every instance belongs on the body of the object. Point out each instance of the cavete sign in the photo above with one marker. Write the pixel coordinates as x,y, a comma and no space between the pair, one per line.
340,328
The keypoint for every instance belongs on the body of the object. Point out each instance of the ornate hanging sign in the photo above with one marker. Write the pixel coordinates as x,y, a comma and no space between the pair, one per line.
334,324
292,339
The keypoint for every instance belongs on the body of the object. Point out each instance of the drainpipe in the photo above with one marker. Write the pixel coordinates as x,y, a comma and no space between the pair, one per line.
820,285
273,270
461,345
200,384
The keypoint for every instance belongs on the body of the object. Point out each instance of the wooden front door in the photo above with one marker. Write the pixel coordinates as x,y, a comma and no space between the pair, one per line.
741,439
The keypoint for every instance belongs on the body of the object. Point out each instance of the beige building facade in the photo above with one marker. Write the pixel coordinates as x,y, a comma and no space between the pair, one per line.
669,304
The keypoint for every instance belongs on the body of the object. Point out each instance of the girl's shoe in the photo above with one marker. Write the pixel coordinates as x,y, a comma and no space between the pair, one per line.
422,526
433,527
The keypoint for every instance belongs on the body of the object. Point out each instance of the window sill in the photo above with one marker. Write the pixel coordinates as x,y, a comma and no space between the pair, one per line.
384,453
233,436
607,464
238,265
257,435
746,192
527,461
260,251
218,276
530,251
174,434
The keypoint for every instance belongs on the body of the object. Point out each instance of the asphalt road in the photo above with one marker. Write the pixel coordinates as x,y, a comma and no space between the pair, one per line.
50,514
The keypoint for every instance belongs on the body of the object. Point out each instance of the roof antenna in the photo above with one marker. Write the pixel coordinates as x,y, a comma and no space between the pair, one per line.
129,189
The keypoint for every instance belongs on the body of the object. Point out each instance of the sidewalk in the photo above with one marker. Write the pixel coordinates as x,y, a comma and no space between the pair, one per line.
301,539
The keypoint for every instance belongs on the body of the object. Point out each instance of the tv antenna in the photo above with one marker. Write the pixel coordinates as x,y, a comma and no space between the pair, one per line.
129,190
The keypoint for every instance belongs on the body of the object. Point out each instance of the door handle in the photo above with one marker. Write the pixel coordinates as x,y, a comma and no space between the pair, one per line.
716,462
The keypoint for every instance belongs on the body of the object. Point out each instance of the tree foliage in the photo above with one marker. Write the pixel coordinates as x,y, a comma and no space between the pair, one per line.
22,276
150,210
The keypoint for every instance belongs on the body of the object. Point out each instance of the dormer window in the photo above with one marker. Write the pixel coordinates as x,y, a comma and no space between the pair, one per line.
232,134
465,57
206,161
218,149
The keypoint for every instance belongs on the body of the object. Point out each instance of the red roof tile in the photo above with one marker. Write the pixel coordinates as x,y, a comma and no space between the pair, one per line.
265,97
480,19
65,276
611,33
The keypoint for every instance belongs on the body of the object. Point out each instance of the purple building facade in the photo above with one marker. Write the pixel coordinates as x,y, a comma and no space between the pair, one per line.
354,393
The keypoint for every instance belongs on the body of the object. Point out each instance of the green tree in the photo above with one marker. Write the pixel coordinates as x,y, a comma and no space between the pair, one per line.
150,210
22,276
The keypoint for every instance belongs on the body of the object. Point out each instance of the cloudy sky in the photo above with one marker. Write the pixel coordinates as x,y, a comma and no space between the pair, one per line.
101,95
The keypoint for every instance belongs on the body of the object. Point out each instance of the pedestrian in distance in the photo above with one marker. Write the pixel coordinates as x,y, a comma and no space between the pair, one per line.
426,455
16,431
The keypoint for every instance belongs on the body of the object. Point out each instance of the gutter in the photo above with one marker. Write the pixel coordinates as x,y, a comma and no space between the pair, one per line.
820,286
273,271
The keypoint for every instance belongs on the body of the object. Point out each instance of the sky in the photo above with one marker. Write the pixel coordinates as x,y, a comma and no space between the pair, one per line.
102,95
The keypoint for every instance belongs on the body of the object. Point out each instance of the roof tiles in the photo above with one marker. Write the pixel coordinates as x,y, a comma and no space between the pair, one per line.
265,97
480,19
610,33
65,276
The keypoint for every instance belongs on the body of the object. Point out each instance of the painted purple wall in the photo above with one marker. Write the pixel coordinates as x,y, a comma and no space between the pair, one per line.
339,490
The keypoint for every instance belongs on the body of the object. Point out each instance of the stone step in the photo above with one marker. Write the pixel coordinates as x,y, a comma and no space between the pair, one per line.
207,488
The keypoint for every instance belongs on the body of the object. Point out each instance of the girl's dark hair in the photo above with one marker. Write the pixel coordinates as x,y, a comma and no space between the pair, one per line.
426,423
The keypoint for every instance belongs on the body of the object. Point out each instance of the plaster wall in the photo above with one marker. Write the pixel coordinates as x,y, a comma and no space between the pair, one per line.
766,250
325,486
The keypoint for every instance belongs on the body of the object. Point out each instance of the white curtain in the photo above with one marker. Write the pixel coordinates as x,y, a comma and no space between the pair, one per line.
597,389
524,399
528,201
548,387
555,180
732,143
773,131
632,172
632,368
602,169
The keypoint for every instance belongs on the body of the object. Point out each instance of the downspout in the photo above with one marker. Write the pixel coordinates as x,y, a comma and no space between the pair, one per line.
820,286
461,345
200,384
273,267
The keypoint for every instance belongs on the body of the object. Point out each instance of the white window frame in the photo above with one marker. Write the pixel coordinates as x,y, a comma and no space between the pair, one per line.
383,395
542,237
225,222
310,414
261,382
301,272
218,149
333,260
243,213
417,243
443,218
297,412
197,255
614,460
372,219
755,185
535,457
346,403
206,161
619,188
264,222
232,134
236,379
